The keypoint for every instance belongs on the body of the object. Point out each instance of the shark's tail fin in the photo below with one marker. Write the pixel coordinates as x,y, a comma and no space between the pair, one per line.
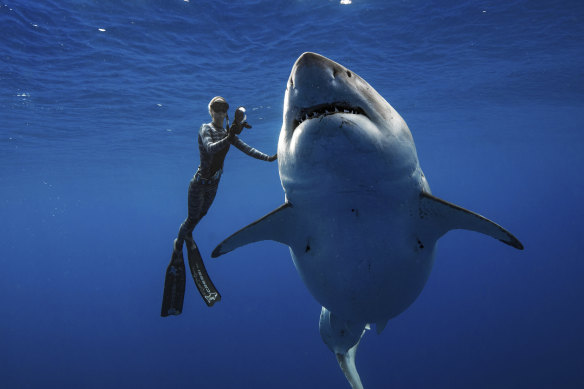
347,364
342,337
443,216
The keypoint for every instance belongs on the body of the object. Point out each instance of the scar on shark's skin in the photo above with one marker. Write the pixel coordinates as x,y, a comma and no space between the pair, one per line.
370,265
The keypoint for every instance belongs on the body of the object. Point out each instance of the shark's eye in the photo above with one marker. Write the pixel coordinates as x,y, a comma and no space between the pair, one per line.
348,73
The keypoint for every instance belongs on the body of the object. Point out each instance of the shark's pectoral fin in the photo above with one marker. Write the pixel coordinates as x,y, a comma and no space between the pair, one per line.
273,226
443,216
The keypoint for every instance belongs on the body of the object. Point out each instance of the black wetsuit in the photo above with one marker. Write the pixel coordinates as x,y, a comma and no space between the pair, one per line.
213,147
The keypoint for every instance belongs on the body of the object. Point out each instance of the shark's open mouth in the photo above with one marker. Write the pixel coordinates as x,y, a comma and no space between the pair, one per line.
324,110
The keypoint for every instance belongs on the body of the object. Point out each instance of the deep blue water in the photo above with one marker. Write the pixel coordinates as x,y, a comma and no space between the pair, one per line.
98,143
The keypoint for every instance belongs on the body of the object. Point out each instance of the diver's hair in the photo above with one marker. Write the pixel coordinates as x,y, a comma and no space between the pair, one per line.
217,99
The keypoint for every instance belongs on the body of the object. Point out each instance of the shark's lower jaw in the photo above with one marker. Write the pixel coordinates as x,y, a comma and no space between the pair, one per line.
320,110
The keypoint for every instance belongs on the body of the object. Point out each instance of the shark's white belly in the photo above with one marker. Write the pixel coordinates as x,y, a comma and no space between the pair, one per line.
363,260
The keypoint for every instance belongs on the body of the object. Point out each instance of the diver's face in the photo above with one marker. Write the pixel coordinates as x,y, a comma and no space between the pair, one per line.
218,113
218,116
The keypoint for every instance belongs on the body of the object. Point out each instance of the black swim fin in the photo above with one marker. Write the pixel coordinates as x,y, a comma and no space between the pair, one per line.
199,273
174,285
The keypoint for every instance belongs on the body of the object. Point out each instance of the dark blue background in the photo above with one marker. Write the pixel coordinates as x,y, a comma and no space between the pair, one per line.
98,143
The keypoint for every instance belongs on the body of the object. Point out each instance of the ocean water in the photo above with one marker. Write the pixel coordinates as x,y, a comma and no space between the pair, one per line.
100,104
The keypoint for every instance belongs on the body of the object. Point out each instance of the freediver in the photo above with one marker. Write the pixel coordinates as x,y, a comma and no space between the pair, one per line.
214,142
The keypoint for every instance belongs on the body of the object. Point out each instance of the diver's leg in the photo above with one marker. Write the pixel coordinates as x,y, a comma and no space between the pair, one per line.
209,197
174,282
196,210
198,271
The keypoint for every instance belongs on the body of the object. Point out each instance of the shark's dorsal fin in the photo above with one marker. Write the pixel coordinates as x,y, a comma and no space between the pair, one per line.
445,216
272,226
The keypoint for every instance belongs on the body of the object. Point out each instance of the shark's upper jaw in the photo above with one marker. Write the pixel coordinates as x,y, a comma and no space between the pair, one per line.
325,109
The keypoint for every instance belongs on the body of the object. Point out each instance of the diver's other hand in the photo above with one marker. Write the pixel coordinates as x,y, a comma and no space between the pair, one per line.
245,125
272,158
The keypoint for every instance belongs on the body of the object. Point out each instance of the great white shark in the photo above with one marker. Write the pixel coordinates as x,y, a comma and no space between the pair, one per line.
358,216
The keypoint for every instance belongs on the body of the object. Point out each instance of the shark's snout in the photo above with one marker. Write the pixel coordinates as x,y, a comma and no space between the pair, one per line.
311,58
312,61
320,87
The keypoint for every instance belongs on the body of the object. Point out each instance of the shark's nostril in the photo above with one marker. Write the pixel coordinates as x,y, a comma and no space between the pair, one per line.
348,73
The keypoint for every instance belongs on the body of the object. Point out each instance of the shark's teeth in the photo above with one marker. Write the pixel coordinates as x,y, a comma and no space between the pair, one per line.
326,109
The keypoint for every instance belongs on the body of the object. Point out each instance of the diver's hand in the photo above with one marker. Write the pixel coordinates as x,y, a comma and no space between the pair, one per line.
272,158
232,131
235,128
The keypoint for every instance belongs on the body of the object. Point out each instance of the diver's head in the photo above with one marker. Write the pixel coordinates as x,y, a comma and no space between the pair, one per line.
218,104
